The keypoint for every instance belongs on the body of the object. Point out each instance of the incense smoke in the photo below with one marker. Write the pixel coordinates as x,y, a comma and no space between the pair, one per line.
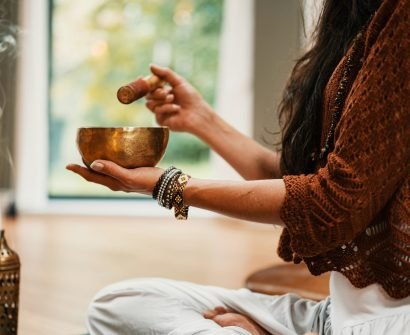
8,50
8,33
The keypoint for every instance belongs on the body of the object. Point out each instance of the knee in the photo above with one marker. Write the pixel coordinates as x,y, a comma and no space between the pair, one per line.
104,313
126,307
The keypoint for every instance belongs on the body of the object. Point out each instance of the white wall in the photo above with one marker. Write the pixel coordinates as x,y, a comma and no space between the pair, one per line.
234,101
31,124
311,12
276,46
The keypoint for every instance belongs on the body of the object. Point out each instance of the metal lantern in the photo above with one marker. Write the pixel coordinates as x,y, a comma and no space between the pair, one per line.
9,288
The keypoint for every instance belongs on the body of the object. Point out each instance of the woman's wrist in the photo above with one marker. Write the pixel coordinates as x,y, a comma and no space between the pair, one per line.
201,123
151,181
169,191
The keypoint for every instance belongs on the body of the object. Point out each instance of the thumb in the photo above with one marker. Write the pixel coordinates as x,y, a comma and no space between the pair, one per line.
167,74
110,169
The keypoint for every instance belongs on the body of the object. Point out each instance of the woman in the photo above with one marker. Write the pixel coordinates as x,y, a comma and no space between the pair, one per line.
340,189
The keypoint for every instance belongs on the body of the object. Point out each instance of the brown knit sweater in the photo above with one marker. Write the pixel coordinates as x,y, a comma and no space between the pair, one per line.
353,214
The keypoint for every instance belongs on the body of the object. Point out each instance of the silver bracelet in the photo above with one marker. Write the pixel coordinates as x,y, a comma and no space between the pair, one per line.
164,185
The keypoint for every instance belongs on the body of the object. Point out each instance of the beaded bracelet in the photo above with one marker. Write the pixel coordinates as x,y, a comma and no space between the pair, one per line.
159,182
165,184
180,210
169,194
169,189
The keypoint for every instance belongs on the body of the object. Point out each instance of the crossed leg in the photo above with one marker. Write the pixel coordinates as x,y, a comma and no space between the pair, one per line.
168,307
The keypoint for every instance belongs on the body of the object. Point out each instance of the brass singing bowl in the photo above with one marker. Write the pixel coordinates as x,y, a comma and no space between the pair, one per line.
129,147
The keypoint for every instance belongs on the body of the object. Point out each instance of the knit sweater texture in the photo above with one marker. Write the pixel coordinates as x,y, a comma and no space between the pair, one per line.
353,214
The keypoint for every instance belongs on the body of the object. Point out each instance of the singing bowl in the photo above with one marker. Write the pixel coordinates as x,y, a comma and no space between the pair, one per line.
129,147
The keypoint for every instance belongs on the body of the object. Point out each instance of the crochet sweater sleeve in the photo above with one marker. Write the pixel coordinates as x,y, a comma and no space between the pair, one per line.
371,154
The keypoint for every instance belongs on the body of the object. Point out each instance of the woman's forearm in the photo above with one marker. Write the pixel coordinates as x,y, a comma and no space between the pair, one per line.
256,200
250,159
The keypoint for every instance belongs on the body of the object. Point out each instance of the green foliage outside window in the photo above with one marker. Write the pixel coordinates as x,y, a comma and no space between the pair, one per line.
99,45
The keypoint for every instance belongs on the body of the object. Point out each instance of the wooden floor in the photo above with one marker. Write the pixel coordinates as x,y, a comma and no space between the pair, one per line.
67,259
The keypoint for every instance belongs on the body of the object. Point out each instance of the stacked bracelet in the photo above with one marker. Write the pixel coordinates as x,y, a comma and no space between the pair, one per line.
163,195
169,194
159,182
180,210
169,190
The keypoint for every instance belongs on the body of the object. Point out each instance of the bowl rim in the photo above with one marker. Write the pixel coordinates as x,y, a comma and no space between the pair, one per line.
121,128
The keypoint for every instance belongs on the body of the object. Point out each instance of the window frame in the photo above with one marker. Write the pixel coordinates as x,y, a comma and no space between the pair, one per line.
31,131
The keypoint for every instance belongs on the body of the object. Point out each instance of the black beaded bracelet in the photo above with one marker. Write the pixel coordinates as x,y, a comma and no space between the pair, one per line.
164,185
169,194
160,181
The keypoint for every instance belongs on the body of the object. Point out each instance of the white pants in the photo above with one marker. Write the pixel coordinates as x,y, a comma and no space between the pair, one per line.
160,306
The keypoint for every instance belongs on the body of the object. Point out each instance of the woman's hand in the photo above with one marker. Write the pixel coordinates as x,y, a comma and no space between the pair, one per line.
228,318
180,106
106,173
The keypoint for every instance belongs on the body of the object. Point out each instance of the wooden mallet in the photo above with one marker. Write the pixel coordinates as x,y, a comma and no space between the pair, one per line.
138,88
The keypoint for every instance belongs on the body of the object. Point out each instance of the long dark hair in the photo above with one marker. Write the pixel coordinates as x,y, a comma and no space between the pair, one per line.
301,106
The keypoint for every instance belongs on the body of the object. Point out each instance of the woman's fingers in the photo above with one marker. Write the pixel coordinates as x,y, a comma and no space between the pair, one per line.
234,319
167,115
113,170
226,320
152,103
159,93
222,310
169,98
170,120
96,178
167,74
167,108
212,313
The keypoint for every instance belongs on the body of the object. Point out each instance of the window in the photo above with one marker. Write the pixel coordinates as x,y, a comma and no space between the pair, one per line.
98,45
49,109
